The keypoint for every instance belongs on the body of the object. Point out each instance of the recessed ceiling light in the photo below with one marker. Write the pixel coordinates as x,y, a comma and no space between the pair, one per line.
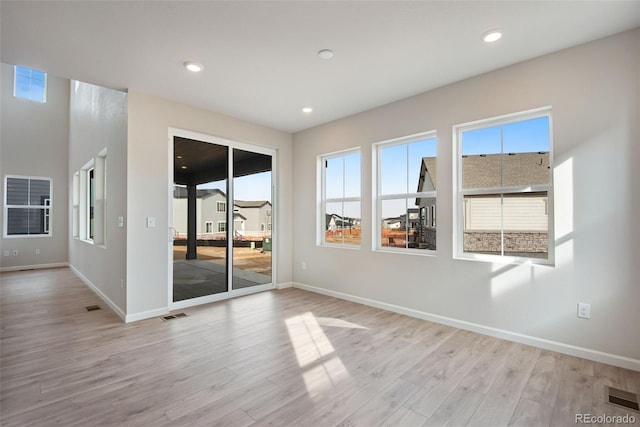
193,66
183,167
307,109
178,157
492,36
325,53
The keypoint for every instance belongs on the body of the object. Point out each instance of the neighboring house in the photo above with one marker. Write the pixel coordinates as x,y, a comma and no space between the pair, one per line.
335,222
257,216
523,217
251,218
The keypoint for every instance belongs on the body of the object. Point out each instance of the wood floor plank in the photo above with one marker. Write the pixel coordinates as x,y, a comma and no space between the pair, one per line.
498,406
378,409
286,357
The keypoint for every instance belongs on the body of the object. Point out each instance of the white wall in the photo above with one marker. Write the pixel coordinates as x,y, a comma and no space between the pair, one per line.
594,90
33,142
98,120
148,192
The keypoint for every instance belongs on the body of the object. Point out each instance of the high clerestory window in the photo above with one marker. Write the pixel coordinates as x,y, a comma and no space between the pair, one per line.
30,84
504,189
405,182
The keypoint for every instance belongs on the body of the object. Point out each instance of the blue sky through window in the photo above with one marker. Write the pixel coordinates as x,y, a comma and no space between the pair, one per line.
30,84
518,137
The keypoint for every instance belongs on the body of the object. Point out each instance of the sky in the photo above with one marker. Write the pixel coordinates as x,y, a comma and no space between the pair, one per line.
519,137
30,84
251,187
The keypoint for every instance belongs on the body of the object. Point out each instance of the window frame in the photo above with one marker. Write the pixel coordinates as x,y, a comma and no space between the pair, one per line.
222,227
46,208
15,84
378,198
459,193
223,204
91,203
208,227
323,200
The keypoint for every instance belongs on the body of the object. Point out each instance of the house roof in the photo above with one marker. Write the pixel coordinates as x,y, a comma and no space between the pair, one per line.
251,203
485,171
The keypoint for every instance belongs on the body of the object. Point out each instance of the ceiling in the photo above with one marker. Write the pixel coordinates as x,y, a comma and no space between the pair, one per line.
260,57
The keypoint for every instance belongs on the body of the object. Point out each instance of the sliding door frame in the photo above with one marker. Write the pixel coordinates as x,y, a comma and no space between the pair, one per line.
231,145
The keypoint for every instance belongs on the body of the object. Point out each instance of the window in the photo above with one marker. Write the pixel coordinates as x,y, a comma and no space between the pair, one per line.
208,227
221,206
406,194
339,216
30,84
91,202
27,206
504,187
222,226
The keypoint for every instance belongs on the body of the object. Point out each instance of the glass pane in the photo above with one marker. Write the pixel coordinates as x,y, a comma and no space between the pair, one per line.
352,175
252,215
393,170
526,224
422,223
17,221
482,224
422,165
351,223
37,221
17,191
334,177
334,223
523,217
526,152
481,158
199,254
39,191
393,227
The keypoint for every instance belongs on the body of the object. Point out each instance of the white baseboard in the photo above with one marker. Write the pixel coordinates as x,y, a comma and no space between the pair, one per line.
34,267
585,353
98,292
146,314
284,285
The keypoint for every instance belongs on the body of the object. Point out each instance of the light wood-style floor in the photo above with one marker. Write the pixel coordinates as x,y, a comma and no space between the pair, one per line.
280,358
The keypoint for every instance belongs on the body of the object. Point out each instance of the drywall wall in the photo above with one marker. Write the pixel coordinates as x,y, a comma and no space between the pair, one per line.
33,142
594,92
148,192
98,125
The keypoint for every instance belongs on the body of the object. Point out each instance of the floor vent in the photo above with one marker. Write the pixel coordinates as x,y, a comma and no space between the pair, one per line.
93,308
173,316
622,398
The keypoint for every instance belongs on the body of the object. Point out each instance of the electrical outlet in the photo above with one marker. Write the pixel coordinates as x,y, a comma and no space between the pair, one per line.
7,253
15,253
37,251
584,310
122,283
304,265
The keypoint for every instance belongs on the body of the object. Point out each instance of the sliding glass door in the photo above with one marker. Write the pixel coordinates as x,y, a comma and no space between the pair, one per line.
222,219
252,214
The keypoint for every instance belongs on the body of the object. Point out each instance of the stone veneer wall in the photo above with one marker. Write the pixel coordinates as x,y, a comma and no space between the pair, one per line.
520,242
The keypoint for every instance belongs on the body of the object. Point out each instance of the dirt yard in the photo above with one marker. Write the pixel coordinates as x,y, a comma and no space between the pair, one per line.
243,258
